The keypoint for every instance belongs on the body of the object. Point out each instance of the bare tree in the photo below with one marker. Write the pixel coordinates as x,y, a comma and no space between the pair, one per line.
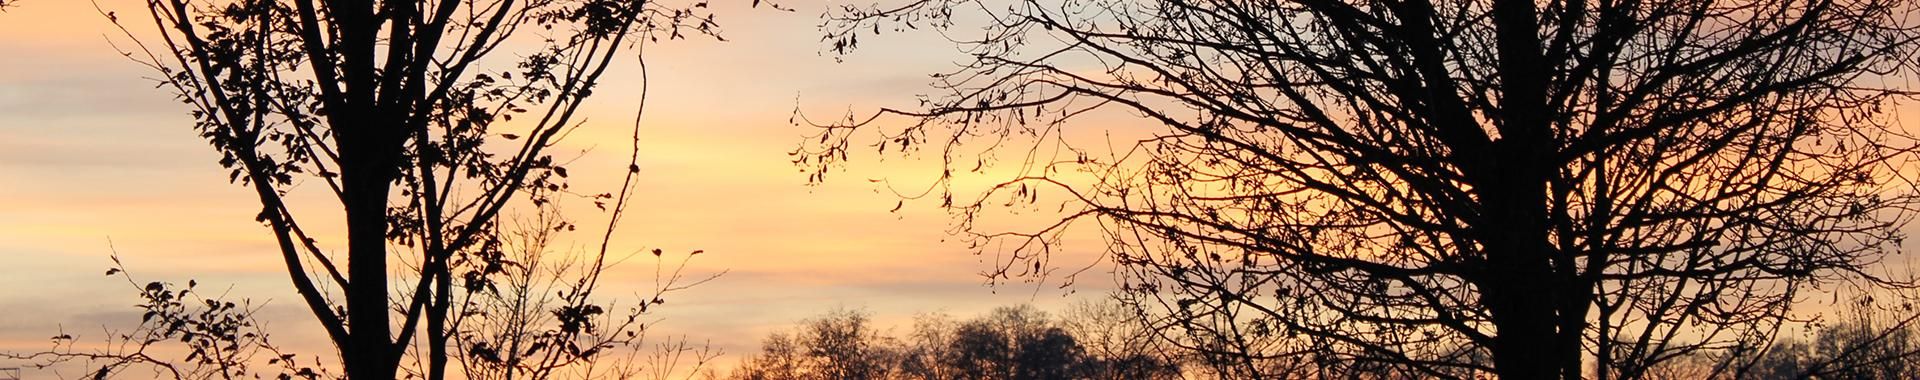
1123,339
404,112
843,344
1406,186
926,348
779,358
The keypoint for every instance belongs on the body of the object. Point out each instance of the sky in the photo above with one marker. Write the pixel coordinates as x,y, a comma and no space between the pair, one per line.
96,161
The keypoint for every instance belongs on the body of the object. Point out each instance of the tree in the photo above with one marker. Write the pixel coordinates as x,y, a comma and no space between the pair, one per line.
778,359
927,348
979,351
1408,185
842,344
1020,343
1122,339
1051,354
403,112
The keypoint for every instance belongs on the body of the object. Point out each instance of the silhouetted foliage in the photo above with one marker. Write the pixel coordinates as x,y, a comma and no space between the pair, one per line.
980,351
1011,343
531,313
528,314
404,112
1410,187
840,345
184,334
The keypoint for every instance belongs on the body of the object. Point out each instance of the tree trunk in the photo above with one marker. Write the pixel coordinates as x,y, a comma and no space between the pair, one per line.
1523,288
366,174
1518,288
368,355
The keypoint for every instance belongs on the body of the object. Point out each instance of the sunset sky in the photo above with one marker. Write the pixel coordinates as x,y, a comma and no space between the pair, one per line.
95,160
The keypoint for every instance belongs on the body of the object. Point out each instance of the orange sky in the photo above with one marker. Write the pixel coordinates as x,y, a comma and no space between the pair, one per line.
92,153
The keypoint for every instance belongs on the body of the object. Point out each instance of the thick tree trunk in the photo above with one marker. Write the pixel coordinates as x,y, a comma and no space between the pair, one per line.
1527,284
366,170
1537,336
1519,289
368,355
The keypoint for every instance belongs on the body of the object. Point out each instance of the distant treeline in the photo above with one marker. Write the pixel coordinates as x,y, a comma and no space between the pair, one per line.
1089,341
1104,341
1865,340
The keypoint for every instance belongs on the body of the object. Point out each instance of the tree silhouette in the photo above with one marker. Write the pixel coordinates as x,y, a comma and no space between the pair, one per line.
979,351
842,344
1123,341
845,345
1407,186
1051,354
1785,359
402,111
